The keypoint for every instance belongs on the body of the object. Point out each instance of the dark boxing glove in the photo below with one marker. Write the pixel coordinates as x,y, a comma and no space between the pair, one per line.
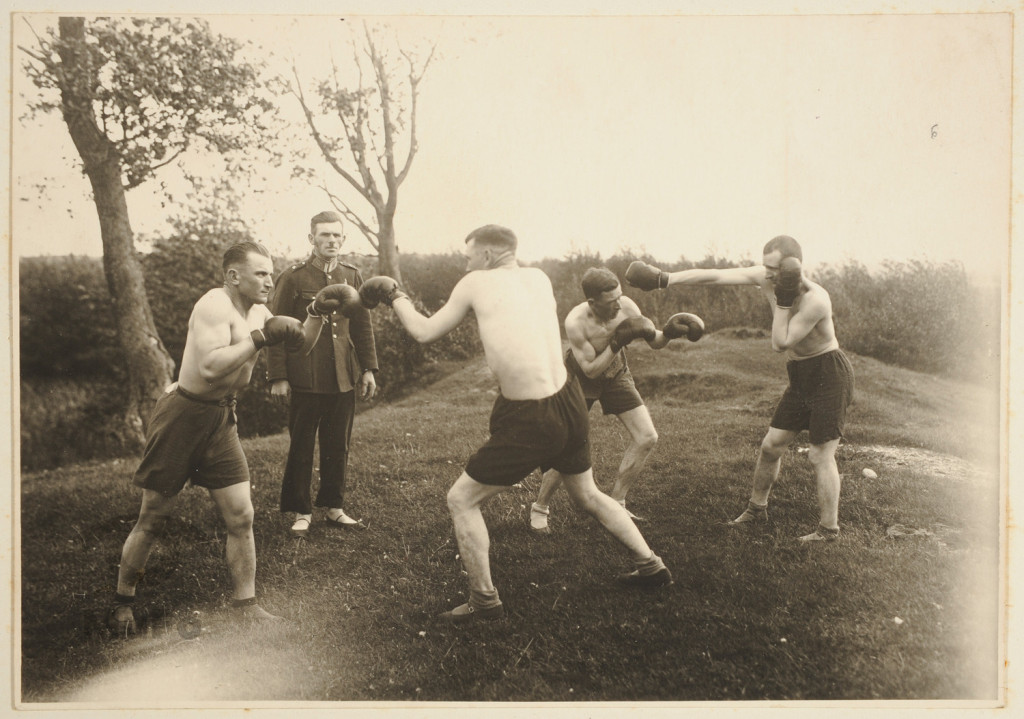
646,277
787,285
685,325
630,329
341,297
380,289
279,329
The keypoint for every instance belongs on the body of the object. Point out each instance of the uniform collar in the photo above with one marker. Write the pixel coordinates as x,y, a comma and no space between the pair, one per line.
321,264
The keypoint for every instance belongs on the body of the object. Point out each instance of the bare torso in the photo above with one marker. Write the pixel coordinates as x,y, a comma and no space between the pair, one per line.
597,332
516,316
822,336
221,324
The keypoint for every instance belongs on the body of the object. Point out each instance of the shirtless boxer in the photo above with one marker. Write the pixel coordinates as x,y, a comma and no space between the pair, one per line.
192,433
538,420
599,361
820,375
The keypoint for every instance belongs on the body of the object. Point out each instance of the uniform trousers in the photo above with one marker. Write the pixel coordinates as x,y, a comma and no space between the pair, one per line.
312,416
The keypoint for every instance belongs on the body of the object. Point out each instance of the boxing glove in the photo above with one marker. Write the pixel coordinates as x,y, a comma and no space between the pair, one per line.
279,329
341,297
380,289
631,329
646,277
683,324
788,281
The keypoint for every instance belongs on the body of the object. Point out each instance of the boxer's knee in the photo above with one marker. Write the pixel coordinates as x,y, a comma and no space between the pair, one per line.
772,447
822,455
647,440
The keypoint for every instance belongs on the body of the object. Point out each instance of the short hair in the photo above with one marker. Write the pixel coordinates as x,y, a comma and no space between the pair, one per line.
240,251
320,217
597,281
786,245
494,236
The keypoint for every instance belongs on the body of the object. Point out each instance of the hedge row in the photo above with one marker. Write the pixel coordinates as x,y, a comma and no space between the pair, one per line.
924,316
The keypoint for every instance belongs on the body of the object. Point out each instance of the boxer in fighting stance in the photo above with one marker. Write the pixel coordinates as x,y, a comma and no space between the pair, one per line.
539,418
192,435
820,375
597,357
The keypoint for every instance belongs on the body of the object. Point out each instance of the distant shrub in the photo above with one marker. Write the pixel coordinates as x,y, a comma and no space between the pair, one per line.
178,272
919,315
67,326
925,316
66,420
428,280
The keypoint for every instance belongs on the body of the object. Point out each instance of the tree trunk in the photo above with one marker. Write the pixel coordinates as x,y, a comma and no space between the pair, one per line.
387,250
150,367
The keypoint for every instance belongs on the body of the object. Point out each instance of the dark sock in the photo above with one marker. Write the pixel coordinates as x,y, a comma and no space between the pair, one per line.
240,603
483,600
123,599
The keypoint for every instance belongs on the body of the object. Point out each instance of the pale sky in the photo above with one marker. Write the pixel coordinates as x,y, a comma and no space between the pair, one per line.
867,137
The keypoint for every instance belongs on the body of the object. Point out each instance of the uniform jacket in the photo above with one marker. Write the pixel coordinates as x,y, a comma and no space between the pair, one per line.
345,347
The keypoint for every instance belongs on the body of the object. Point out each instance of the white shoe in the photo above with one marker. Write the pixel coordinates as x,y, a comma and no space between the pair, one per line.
301,526
338,518
539,519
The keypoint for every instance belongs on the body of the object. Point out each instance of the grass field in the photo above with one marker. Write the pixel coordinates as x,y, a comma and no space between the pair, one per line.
904,606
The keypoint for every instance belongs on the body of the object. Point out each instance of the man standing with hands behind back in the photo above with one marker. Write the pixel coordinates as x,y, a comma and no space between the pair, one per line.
322,385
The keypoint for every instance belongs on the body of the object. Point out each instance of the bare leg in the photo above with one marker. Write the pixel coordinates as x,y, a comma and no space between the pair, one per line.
235,507
465,498
153,516
549,483
608,512
643,438
823,458
650,570
766,471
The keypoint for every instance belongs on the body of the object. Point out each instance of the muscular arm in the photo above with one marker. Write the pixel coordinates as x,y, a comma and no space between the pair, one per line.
789,326
211,334
428,329
729,276
592,362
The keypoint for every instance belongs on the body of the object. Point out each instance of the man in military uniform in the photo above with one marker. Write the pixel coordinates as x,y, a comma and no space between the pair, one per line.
322,385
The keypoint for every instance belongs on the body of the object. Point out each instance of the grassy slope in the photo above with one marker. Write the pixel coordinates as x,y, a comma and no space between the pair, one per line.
751,616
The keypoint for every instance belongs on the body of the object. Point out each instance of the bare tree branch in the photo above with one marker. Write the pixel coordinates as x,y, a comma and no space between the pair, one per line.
142,177
414,81
357,143
370,50
321,143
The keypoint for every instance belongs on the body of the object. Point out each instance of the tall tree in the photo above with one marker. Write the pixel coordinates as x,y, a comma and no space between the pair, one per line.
135,94
367,134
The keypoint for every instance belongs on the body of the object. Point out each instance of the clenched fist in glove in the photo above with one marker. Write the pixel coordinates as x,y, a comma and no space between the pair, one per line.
630,329
343,298
280,329
685,325
380,289
646,277
788,281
